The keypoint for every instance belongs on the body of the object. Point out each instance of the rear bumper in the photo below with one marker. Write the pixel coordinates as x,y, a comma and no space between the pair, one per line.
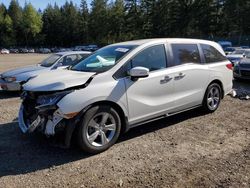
10,86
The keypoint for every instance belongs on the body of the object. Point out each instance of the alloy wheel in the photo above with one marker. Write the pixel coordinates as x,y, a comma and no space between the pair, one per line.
213,98
101,129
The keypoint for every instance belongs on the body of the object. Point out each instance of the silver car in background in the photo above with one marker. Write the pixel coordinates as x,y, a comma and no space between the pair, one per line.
13,80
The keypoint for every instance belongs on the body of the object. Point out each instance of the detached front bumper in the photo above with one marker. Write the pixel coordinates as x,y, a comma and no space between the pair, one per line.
21,122
10,86
48,125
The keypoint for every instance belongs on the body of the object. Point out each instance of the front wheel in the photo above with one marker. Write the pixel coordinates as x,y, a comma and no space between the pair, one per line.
212,98
99,129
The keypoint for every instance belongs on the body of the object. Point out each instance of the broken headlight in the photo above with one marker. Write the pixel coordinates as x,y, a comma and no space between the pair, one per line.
49,100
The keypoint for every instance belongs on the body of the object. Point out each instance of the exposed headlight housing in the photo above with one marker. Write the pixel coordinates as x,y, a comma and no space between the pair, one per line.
10,79
49,100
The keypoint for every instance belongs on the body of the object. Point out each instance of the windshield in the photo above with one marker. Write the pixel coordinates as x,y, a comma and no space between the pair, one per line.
103,59
238,52
50,60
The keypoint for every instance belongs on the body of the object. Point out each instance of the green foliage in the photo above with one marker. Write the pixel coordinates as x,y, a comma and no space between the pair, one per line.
116,22
98,21
6,27
52,24
109,21
31,22
15,13
70,24
83,23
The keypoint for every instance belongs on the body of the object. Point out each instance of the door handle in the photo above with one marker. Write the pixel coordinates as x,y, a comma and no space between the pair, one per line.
166,79
180,76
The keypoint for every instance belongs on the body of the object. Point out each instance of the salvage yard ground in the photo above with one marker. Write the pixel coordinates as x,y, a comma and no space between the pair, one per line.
191,149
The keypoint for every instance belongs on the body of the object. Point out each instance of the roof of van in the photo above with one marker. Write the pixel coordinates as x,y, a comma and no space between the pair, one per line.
171,40
176,40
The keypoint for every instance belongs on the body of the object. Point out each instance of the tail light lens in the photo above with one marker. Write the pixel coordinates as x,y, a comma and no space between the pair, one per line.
230,66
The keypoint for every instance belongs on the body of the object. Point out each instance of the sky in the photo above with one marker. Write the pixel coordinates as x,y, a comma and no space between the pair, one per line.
42,4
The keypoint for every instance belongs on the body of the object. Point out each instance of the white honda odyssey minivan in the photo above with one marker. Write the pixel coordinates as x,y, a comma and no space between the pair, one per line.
124,85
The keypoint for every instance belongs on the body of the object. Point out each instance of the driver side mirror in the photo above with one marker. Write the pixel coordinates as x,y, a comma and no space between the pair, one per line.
138,72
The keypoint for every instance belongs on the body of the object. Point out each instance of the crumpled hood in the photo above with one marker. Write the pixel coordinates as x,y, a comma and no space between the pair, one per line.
16,72
57,80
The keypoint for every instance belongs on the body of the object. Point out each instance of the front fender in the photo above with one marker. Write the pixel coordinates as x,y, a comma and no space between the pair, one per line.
113,91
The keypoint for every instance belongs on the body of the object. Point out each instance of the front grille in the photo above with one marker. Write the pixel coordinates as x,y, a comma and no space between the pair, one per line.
245,73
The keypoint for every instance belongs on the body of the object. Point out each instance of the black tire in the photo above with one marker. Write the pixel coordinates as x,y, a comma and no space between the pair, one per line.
84,127
206,105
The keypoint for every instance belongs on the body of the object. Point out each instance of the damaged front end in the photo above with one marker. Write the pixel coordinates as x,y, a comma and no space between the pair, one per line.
39,112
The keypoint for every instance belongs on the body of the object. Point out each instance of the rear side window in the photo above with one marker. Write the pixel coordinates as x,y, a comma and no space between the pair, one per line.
211,54
153,58
70,60
185,53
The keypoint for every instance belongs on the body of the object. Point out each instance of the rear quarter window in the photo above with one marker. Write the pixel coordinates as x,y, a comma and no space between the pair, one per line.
211,54
185,53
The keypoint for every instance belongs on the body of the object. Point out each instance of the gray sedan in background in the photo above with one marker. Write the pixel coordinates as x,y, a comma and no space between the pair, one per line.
14,79
242,68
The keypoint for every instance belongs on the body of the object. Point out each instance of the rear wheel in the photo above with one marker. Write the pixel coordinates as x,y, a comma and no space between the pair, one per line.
212,98
99,129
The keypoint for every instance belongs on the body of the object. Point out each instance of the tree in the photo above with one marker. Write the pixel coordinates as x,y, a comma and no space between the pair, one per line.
116,23
8,36
83,22
15,13
52,26
169,19
70,29
6,27
148,9
133,19
237,17
98,19
31,23
109,21
2,13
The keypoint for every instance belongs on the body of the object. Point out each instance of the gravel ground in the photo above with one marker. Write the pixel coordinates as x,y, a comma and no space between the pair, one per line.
191,149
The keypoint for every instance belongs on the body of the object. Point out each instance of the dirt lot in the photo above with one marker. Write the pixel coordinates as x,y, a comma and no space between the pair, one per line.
187,150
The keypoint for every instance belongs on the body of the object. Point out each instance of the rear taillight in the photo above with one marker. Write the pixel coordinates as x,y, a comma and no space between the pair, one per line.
230,66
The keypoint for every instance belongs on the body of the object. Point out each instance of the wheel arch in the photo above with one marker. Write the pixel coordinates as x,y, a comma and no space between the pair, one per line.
73,123
217,81
117,107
